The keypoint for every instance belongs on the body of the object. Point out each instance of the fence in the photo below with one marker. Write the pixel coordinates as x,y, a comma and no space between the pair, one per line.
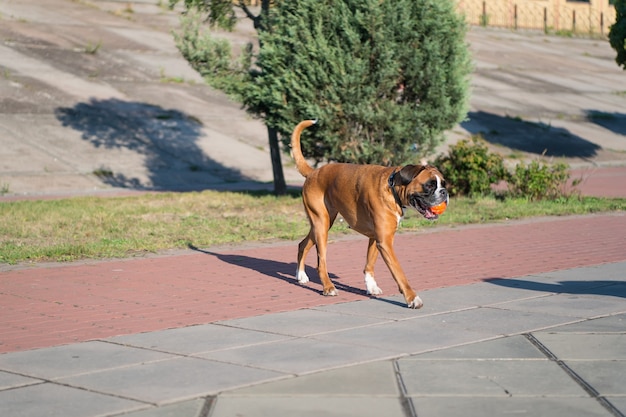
584,17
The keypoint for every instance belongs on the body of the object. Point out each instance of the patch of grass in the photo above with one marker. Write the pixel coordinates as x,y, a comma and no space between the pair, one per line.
566,33
167,79
92,48
96,227
103,172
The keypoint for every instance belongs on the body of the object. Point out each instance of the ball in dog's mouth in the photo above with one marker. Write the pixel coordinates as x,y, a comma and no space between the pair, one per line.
439,208
424,209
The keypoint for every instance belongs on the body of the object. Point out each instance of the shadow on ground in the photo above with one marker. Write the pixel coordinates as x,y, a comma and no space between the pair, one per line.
611,288
615,122
166,139
530,137
280,270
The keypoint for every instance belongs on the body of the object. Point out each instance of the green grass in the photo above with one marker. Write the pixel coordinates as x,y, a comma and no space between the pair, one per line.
93,227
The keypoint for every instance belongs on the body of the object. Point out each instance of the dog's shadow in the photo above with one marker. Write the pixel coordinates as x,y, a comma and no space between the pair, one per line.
280,270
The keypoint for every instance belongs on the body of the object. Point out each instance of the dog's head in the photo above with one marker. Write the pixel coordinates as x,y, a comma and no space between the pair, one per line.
423,187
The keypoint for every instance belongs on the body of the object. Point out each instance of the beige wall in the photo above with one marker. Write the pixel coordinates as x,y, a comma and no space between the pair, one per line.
590,17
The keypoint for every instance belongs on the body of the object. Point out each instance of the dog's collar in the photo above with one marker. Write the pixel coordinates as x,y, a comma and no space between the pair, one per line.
391,184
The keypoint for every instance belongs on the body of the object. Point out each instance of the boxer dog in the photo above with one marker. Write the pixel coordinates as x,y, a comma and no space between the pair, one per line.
372,200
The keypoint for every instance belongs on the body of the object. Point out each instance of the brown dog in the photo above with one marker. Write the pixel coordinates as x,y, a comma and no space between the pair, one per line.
372,200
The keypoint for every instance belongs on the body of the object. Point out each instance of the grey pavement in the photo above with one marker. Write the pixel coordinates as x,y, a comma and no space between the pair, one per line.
546,344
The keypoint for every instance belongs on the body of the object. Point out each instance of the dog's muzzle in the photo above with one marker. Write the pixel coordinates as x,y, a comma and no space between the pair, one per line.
423,202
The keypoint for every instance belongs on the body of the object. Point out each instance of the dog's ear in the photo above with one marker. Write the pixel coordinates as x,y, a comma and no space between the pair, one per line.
407,173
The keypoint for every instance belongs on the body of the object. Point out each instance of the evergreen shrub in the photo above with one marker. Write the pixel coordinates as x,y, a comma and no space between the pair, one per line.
385,79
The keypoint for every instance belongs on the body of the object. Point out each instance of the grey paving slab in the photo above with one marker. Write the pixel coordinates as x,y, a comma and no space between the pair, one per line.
482,407
498,321
608,377
303,322
480,294
619,403
573,305
191,408
514,347
80,358
576,346
609,324
369,379
384,307
445,330
171,380
435,301
605,279
8,380
52,400
410,336
617,289
308,406
546,284
487,378
592,275
299,356
197,339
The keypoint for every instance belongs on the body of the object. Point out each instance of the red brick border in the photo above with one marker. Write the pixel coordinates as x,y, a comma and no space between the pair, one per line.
47,306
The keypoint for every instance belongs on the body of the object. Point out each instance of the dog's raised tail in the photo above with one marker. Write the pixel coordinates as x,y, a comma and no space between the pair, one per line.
301,164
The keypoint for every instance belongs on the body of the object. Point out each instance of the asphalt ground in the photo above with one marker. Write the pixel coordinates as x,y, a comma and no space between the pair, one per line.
522,317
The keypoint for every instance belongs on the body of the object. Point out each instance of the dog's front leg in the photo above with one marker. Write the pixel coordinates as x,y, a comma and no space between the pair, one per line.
385,246
370,283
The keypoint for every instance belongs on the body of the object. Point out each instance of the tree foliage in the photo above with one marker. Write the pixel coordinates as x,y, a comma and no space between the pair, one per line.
385,79
617,33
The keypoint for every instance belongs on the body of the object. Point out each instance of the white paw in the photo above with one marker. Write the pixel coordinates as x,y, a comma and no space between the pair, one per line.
302,277
371,285
416,303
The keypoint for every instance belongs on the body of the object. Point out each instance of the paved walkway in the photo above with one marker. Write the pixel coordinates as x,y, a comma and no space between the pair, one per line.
524,317
548,343
58,304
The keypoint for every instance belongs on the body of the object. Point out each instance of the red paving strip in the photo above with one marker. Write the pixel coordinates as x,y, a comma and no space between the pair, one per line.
48,306
601,181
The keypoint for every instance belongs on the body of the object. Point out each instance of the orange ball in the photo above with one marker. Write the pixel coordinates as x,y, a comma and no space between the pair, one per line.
439,208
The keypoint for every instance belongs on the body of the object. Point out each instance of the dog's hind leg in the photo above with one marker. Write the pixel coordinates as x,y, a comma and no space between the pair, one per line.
370,283
303,249
321,221
321,242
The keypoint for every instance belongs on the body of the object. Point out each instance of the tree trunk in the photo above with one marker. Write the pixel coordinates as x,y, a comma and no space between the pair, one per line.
280,187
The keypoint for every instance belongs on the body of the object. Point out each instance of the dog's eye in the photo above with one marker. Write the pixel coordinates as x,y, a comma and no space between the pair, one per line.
430,185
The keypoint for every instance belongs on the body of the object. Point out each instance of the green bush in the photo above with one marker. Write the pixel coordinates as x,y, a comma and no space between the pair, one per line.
617,33
470,169
539,181
385,79
211,56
